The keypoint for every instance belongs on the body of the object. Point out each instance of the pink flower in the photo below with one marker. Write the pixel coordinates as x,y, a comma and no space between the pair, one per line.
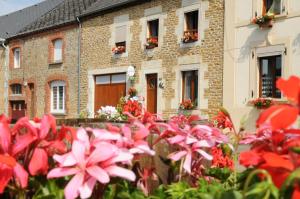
90,161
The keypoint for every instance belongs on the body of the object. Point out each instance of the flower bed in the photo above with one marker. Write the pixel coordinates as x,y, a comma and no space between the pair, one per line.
39,161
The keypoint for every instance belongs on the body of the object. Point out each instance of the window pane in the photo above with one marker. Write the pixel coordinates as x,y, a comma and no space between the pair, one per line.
119,78
192,20
17,58
105,79
153,28
57,50
273,6
61,98
54,99
278,74
190,79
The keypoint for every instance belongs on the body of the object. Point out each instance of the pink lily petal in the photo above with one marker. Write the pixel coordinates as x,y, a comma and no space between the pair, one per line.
204,154
116,171
204,143
177,155
6,174
188,162
127,132
39,162
83,137
5,137
99,174
190,140
122,156
45,126
86,189
141,133
176,139
78,150
103,135
65,160
61,172
72,189
21,175
22,142
142,149
103,151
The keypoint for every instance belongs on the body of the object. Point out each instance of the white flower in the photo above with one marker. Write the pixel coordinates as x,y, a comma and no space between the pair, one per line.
109,112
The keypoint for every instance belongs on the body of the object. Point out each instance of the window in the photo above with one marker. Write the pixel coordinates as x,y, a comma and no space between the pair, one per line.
272,6
120,40
58,97
270,71
17,57
152,34
190,86
111,79
16,89
191,26
57,53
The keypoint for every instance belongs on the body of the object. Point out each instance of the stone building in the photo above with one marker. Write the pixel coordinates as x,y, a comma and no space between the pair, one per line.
255,55
62,62
185,60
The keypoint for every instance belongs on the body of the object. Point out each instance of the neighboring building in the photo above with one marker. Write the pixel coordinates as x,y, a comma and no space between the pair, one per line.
10,25
255,57
168,69
43,63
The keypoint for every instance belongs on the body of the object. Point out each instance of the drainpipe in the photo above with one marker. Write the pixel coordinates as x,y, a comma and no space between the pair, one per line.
78,64
2,42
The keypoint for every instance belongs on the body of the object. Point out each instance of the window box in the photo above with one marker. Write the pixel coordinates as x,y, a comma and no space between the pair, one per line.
190,36
152,42
262,103
264,21
120,48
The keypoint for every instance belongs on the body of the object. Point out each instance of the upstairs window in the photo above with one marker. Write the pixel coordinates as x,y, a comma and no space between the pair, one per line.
58,97
270,72
191,26
57,50
190,86
17,57
152,34
272,6
120,40
16,89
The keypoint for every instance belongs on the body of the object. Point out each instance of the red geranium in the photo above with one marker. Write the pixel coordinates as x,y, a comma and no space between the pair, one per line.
132,107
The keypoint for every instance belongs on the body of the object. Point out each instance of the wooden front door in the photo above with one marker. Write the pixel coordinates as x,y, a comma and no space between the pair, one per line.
152,93
109,89
17,110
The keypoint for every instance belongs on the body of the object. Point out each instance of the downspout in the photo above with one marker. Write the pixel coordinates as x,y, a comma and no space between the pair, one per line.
6,74
78,64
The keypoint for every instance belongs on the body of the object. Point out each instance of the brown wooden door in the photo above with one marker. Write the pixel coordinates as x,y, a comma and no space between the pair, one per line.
108,93
17,110
152,93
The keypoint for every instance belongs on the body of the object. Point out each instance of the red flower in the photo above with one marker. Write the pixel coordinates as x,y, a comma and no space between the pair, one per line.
132,107
221,160
223,121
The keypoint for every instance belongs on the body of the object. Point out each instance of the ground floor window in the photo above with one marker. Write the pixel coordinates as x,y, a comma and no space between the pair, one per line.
58,97
190,86
270,71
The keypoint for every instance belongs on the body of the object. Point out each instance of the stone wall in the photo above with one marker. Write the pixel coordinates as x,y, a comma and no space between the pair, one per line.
168,60
2,78
36,70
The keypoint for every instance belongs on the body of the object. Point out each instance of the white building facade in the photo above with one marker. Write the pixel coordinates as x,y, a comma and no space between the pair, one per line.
254,56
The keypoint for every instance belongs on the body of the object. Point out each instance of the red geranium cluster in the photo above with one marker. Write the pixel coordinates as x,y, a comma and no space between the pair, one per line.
119,49
190,36
220,159
223,121
186,105
132,107
275,147
262,103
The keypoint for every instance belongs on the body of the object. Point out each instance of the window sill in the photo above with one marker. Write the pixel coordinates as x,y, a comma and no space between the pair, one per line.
55,64
59,114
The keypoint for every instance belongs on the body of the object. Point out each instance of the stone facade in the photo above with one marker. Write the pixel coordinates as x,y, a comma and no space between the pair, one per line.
168,60
2,78
37,71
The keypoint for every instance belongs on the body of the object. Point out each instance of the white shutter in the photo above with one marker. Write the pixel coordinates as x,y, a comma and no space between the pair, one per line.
121,33
57,50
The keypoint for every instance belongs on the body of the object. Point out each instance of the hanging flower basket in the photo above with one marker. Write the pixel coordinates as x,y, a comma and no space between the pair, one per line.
264,21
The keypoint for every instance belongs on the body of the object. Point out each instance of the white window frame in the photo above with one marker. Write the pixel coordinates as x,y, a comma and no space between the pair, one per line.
17,59
57,109
57,52
13,86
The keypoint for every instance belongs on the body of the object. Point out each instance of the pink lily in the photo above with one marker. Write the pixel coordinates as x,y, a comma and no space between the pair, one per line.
90,162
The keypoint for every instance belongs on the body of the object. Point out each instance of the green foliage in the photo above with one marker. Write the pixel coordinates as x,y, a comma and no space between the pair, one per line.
48,189
123,190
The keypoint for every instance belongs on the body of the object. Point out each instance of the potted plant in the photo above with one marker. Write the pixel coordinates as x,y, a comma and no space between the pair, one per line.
190,36
186,107
262,103
152,42
264,21
119,50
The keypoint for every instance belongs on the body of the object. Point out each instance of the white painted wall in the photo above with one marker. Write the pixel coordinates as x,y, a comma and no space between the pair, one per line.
244,40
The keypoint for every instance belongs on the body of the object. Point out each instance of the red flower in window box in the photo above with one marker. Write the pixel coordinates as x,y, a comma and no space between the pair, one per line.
119,49
187,105
190,36
264,21
262,103
152,42
132,92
